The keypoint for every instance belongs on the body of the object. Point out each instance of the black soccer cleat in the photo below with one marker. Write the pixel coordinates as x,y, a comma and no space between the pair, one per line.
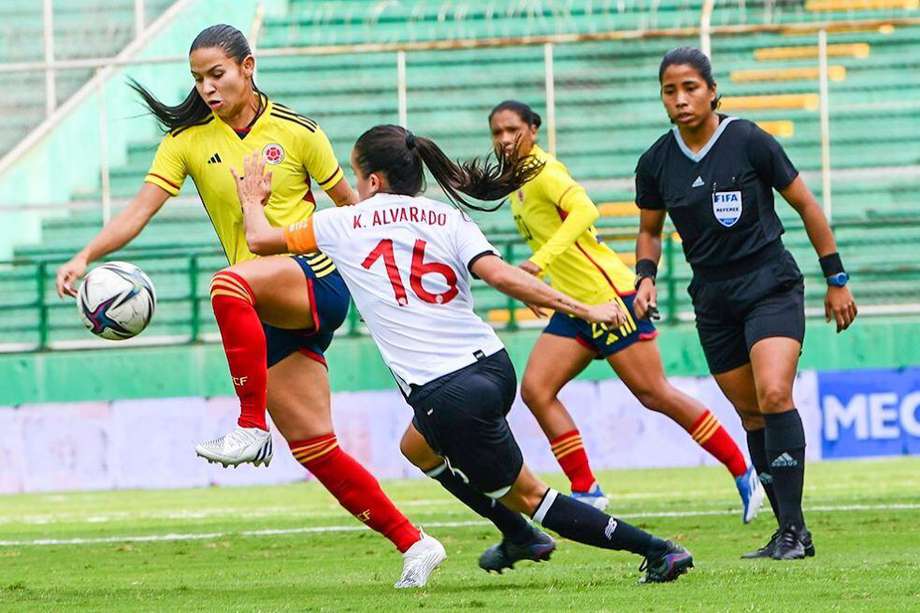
764,552
504,555
793,544
666,565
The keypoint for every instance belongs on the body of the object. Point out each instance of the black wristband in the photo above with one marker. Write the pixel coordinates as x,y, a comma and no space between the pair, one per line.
831,264
646,269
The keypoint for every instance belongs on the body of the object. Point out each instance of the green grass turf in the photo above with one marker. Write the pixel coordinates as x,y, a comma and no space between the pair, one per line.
868,556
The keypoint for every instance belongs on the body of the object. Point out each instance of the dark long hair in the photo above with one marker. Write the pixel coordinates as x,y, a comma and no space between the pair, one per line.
402,158
193,110
690,56
522,110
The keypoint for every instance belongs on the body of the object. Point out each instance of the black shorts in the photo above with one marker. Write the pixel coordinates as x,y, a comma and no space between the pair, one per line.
329,300
462,417
734,313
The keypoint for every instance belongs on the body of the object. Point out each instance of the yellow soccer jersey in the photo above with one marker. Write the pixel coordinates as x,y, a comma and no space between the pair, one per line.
294,147
555,216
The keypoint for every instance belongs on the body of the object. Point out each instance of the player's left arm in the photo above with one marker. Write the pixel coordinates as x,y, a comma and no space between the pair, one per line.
253,188
838,302
518,284
580,214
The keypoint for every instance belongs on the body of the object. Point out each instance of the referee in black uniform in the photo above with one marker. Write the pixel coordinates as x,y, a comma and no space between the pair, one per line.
715,175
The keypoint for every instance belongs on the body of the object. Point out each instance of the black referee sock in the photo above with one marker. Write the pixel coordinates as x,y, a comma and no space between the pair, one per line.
757,449
512,525
583,523
785,445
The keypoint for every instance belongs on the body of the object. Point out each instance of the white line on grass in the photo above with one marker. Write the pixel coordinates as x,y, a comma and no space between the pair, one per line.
438,524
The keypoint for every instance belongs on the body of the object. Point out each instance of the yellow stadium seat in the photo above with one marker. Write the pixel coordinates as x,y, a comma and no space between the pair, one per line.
885,28
618,209
808,102
860,5
857,50
502,316
782,128
834,73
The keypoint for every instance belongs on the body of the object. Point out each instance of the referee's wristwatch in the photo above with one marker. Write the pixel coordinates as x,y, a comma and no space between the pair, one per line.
838,280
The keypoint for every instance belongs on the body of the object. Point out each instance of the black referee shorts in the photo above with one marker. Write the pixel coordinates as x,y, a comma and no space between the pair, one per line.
462,417
734,311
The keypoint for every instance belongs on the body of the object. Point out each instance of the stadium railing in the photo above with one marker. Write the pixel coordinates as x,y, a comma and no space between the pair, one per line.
32,318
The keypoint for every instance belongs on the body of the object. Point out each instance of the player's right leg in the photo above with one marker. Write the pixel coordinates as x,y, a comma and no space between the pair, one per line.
557,358
520,540
663,560
271,290
299,401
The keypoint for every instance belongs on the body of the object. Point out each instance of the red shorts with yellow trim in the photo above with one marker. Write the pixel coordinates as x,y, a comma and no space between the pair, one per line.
602,339
329,300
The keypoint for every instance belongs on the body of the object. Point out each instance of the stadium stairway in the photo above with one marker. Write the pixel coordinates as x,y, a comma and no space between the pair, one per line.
82,29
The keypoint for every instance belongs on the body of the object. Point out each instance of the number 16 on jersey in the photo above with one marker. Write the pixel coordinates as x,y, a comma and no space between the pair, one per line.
420,268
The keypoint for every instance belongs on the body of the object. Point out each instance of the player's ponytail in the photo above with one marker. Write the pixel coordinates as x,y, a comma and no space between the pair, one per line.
402,157
194,110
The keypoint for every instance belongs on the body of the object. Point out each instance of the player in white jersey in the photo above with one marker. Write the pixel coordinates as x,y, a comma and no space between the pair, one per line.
407,261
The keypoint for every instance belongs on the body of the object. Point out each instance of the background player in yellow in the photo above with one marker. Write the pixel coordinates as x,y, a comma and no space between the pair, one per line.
556,217
276,315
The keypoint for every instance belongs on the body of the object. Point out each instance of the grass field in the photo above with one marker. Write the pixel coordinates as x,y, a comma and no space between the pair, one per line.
293,548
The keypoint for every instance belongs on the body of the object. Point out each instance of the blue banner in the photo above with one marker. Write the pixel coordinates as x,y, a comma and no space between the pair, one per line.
869,412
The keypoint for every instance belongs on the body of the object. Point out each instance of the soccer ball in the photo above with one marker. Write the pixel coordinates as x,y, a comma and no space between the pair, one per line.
116,301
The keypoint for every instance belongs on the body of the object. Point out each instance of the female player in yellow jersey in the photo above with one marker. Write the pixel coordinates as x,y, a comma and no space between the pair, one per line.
276,315
556,217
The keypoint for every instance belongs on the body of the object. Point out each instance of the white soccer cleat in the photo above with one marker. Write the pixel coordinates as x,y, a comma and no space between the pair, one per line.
241,446
419,562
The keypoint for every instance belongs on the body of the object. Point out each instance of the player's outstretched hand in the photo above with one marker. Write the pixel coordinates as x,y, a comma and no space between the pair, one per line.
609,313
254,186
68,274
646,300
839,305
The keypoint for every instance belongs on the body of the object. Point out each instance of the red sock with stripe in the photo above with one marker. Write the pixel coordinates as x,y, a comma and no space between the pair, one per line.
711,436
355,488
570,453
244,344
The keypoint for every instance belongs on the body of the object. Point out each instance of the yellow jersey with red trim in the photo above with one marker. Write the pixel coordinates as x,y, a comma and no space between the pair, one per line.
294,147
556,217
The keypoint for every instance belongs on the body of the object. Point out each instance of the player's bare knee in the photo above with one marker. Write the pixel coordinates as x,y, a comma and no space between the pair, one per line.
774,398
535,394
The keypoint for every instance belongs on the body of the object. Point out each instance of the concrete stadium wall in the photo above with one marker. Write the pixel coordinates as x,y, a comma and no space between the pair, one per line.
149,443
355,364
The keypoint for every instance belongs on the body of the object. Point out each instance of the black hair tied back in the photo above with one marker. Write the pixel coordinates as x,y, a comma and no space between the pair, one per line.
402,158
193,110
696,59
522,110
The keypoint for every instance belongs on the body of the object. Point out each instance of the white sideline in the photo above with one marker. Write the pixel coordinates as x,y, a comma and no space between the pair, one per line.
442,524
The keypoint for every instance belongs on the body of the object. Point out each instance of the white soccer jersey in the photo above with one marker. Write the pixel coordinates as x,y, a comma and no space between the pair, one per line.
406,262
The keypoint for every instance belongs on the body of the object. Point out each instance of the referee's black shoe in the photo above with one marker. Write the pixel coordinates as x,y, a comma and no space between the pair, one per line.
504,555
793,544
808,547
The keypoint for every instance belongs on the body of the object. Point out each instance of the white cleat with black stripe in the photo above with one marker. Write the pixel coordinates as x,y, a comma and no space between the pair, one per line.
419,562
242,446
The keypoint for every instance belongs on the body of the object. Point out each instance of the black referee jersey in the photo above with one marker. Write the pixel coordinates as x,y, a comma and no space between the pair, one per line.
720,199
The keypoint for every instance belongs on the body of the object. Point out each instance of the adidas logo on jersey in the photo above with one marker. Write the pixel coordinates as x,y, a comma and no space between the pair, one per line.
698,183
215,159
784,461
